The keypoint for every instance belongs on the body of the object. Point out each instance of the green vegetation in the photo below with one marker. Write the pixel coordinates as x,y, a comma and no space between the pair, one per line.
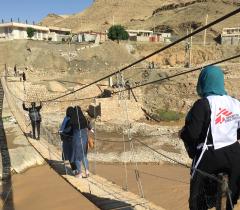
117,32
167,115
30,32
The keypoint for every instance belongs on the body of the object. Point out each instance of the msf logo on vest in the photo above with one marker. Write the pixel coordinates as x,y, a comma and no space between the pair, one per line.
225,116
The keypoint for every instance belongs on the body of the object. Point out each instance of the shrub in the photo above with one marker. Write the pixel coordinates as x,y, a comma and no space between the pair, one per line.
30,32
117,32
167,115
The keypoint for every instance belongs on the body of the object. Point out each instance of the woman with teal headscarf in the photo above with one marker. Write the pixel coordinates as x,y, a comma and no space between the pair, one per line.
211,82
197,131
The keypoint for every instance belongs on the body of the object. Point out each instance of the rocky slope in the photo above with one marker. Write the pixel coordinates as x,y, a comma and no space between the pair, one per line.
159,15
101,15
177,18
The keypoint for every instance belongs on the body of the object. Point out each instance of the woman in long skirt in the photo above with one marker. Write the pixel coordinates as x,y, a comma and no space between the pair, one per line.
66,134
80,141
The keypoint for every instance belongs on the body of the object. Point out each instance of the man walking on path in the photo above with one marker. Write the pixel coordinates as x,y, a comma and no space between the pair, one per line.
35,117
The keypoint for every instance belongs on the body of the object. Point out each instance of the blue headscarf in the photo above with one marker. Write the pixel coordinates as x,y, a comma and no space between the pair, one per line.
211,82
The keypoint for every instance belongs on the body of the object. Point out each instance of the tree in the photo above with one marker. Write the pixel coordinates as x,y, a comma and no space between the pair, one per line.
30,32
117,32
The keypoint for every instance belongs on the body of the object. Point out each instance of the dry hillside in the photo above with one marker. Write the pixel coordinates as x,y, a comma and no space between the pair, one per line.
173,15
100,15
53,19
177,18
47,56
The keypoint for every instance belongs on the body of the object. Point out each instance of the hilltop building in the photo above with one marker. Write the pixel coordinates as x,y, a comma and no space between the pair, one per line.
91,36
58,34
148,36
13,30
230,36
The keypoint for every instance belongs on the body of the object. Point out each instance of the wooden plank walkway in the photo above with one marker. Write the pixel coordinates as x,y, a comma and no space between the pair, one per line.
101,192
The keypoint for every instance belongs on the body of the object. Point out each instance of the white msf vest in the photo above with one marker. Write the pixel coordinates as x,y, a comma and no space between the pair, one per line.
225,118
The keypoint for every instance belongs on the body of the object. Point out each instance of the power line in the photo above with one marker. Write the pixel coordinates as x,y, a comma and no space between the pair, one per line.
155,81
154,53
137,86
113,141
70,100
180,163
179,74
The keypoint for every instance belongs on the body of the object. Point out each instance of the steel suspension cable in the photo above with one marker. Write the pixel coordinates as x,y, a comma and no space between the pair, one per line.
160,80
180,163
83,151
180,74
137,175
95,137
120,97
154,53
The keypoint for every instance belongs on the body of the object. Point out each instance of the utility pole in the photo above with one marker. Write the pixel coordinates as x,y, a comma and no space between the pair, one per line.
186,51
154,26
113,21
205,31
69,48
190,50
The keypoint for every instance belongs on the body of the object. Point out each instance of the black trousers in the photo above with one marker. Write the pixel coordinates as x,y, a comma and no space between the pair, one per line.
203,190
36,125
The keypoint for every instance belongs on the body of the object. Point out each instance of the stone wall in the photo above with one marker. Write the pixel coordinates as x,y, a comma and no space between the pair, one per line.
113,110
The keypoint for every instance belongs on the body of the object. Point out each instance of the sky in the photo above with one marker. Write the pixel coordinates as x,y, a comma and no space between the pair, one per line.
36,10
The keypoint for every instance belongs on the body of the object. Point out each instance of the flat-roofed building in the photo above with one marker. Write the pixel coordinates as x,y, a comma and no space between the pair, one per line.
59,34
148,36
230,36
92,36
13,30
140,35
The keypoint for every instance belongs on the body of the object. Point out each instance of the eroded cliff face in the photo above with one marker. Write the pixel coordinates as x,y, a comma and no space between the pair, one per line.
176,5
147,14
103,13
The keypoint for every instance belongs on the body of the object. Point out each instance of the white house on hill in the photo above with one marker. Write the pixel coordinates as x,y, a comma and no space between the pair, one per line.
58,34
231,36
13,30
148,36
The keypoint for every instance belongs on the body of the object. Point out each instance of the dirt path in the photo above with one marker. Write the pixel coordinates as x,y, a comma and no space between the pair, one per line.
41,188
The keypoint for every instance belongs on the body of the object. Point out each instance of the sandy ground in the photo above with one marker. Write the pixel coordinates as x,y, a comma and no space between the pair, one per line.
41,188
165,185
